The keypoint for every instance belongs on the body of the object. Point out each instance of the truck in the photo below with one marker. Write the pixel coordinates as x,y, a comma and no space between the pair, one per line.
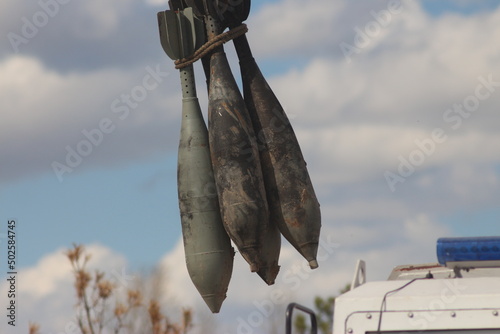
459,294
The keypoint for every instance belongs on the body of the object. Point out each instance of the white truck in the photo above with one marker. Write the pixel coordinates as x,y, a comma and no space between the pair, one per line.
458,295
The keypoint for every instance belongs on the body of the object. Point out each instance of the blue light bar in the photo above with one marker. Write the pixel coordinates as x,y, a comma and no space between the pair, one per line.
468,249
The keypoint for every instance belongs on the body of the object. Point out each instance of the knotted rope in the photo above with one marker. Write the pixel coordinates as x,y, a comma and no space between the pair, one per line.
211,45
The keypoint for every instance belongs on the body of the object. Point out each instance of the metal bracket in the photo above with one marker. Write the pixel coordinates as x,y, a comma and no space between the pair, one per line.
360,275
289,313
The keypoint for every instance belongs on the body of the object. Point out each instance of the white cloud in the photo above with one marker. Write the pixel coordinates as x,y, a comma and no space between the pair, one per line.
346,154
89,19
423,230
100,19
296,24
163,3
37,99
312,28
359,219
52,110
467,178
343,154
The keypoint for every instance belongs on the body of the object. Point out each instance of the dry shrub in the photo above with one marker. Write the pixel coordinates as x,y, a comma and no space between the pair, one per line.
103,307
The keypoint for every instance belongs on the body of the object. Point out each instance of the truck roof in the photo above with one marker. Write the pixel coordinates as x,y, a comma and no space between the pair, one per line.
445,301
406,272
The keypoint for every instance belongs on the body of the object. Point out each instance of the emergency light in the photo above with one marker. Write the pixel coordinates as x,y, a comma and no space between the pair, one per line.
469,252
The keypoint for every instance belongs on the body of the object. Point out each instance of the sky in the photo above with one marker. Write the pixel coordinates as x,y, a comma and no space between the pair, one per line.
394,103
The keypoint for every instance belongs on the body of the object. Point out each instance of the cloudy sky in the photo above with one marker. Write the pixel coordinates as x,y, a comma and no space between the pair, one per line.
395,105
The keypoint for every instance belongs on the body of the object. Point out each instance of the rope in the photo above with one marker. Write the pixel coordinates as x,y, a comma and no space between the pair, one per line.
211,45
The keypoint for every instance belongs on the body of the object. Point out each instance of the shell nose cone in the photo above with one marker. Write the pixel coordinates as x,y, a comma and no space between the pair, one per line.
309,251
214,302
268,274
251,255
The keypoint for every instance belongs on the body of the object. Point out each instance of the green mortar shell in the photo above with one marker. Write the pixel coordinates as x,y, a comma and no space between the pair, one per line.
209,255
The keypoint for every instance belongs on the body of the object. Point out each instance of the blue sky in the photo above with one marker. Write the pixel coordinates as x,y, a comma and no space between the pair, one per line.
355,119
444,7
98,206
